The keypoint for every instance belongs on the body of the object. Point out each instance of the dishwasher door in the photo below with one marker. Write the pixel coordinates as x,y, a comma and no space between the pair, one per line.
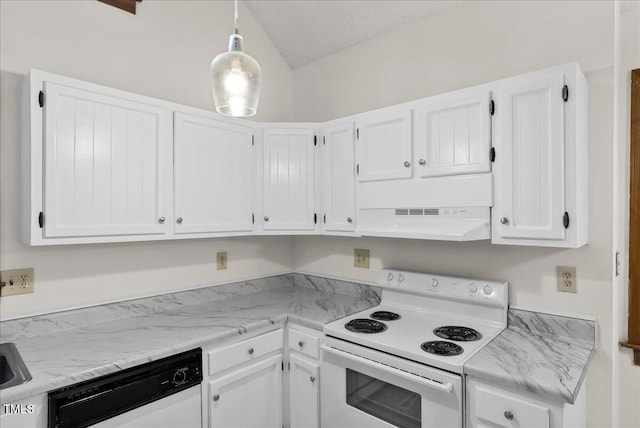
181,410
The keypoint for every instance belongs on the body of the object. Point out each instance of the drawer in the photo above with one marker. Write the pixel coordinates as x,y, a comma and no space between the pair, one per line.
249,350
508,411
304,343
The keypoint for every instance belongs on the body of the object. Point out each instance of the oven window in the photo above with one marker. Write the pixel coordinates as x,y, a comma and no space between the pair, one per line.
390,403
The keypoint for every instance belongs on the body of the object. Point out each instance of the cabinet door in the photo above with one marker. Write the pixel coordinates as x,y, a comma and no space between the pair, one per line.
214,175
384,146
289,179
453,134
338,178
103,164
304,390
530,148
249,397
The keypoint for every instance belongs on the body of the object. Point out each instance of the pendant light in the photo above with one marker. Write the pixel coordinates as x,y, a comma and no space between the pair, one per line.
235,78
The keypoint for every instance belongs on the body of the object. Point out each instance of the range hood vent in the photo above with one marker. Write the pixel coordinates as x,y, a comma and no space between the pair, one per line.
444,224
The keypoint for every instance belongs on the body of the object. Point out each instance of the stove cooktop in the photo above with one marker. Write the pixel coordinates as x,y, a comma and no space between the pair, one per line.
435,320
404,336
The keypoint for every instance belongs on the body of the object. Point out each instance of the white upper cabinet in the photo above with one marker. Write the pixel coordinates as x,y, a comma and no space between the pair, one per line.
384,145
452,133
540,159
103,160
289,179
338,178
214,173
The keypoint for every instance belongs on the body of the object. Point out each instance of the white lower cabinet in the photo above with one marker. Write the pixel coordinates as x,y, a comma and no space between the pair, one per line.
489,405
303,377
26,413
304,381
244,388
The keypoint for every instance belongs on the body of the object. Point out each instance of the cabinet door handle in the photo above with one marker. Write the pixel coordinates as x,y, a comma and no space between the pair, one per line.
407,164
161,220
179,220
216,397
312,379
251,351
266,218
504,220
422,162
508,414
349,220
301,344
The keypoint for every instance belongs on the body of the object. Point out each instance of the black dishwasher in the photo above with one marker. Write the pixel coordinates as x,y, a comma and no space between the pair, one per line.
89,402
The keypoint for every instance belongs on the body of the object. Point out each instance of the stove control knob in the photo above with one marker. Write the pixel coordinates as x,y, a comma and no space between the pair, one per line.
389,276
400,277
473,287
434,282
487,289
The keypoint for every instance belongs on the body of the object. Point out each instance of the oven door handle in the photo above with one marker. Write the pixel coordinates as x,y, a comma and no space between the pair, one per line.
445,387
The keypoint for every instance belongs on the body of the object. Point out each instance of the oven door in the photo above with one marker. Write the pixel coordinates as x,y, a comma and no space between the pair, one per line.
362,388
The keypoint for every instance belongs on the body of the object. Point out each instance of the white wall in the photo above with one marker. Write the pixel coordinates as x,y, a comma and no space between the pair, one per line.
468,44
627,58
164,51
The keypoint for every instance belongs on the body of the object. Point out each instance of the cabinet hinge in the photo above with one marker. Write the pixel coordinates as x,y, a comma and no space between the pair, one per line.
357,169
41,219
41,99
324,141
315,218
324,219
315,140
492,154
357,133
253,218
253,140
283,365
565,220
617,263
565,93
492,107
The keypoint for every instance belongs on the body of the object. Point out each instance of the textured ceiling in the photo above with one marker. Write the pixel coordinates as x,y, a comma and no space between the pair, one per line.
307,30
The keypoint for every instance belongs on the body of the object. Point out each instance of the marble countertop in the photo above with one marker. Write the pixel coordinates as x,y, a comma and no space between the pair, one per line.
546,355
64,354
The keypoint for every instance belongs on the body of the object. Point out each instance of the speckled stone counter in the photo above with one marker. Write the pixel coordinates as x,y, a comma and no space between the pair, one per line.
543,354
65,348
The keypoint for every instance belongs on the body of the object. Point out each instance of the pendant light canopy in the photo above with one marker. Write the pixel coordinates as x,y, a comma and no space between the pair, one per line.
235,78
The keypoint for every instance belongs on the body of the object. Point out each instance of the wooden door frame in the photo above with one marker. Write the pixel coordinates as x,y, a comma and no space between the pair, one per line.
633,340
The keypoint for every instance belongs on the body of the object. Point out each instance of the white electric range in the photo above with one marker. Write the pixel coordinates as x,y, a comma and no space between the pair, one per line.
401,363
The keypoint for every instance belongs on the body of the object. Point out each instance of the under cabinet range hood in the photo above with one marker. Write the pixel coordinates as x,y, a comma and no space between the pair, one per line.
454,208
444,224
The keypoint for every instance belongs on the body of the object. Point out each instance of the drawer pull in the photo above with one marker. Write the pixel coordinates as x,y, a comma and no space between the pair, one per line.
508,414
251,351
312,379
216,397
301,344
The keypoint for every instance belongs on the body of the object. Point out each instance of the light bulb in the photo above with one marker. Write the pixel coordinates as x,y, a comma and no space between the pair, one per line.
235,83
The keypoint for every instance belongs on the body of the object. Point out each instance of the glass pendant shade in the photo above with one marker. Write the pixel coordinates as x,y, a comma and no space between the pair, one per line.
235,80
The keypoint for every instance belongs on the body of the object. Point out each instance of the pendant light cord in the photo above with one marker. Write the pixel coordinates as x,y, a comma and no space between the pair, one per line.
235,18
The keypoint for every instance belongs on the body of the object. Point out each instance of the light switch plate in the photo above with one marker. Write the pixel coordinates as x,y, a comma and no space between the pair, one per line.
16,281
361,258
221,260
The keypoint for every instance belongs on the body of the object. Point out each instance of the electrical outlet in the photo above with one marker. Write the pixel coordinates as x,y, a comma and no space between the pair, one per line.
16,281
221,260
567,279
361,258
